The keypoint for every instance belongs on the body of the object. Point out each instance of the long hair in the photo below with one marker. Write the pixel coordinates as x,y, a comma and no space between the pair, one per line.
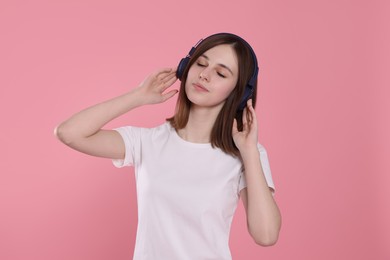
221,133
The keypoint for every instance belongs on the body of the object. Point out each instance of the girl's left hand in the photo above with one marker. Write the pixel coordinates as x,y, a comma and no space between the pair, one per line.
248,136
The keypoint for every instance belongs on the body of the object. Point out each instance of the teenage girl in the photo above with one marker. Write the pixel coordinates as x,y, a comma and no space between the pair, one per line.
192,169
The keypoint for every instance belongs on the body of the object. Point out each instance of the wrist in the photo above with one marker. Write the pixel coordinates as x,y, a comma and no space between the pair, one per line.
138,97
249,151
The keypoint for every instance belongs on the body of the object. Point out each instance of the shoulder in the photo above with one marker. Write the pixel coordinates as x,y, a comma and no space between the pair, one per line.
159,131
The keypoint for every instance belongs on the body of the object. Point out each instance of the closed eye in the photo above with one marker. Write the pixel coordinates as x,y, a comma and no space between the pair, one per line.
221,75
200,64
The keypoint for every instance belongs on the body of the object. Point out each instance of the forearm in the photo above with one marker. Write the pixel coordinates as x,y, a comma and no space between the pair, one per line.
263,214
90,120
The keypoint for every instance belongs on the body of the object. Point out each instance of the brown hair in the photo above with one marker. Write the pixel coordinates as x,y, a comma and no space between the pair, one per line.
221,133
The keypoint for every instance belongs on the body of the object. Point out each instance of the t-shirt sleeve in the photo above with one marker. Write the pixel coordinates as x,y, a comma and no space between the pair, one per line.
132,139
266,169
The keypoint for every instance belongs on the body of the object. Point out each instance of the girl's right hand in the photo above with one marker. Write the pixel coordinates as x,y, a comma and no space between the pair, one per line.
153,87
83,131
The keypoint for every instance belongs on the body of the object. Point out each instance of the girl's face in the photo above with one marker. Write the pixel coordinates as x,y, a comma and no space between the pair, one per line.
212,77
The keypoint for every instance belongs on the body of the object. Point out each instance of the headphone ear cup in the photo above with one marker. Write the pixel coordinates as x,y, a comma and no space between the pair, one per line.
181,67
247,95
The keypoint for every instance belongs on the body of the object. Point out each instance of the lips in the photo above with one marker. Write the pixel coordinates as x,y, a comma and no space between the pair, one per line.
199,87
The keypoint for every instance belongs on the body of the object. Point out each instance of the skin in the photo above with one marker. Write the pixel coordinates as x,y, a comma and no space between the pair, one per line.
263,215
217,71
210,80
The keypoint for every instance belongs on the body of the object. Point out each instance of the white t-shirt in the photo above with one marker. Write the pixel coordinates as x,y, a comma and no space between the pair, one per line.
187,194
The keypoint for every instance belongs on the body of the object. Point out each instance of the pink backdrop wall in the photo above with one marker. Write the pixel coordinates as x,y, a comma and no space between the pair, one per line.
323,114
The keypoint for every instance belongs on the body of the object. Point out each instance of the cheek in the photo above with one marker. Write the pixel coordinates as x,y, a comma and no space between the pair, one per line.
192,72
226,89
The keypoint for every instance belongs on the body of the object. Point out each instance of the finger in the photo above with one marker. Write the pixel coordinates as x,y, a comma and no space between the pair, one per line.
249,104
169,94
168,83
166,72
252,112
161,71
248,114
168,77
245,119
234,128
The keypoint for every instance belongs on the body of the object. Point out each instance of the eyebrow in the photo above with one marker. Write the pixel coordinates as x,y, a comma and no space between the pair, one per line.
220,64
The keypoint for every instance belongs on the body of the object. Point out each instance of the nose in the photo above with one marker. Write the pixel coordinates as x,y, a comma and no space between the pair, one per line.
204,74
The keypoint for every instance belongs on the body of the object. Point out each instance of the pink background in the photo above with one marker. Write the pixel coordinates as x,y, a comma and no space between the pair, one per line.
323,114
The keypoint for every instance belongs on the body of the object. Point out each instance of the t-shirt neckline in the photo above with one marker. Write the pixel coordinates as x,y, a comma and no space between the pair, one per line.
185,142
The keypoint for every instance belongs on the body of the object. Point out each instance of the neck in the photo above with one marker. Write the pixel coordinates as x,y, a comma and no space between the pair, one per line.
200,123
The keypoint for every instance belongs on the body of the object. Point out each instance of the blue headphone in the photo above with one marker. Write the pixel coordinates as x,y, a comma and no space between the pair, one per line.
250,86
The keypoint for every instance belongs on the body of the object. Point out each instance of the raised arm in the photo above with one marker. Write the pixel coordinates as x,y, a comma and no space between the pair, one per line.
83,131
263,215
